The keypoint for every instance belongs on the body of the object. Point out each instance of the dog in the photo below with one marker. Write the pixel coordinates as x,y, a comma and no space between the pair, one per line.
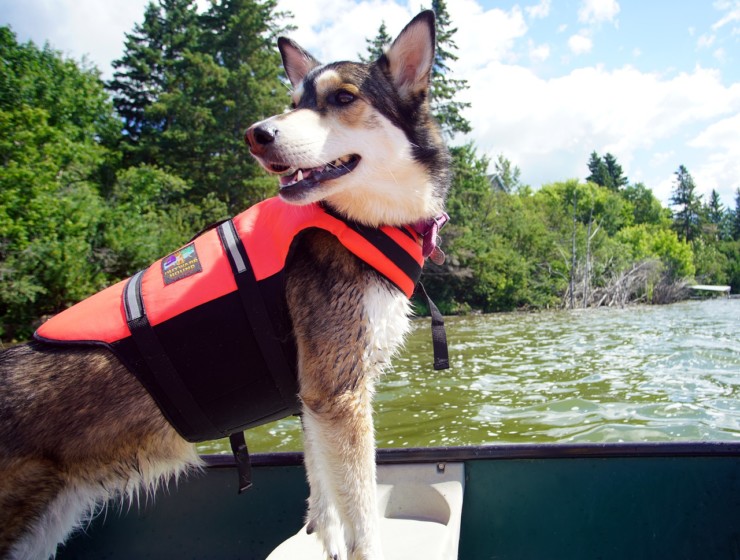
77,429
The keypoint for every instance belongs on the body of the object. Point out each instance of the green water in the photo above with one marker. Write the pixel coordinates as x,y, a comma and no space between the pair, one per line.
651,373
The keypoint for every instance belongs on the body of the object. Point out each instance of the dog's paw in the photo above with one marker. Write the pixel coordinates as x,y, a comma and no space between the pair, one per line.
329,532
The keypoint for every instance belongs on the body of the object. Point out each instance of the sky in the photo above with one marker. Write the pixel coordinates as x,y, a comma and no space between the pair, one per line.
656,83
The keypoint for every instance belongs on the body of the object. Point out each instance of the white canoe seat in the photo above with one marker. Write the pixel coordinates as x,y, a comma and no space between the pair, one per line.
420,507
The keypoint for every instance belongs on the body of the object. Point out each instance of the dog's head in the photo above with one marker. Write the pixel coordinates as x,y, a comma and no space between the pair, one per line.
360,136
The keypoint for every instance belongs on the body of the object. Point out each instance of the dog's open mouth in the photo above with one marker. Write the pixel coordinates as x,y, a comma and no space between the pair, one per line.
292,178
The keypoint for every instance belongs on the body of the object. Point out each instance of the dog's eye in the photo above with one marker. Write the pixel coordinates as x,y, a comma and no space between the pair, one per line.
343,97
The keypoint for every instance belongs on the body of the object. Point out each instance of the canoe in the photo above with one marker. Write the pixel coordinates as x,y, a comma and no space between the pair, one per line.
548,501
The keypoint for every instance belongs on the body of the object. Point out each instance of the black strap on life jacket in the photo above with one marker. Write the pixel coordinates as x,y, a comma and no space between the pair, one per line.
259,320
256,312
155,356
439,335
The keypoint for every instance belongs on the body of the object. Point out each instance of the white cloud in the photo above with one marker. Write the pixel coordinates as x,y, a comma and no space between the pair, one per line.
78,28
580,44
538,53
720,168
598,11
482,35
550,126
705,41
485,35
539,11
732,15
343,35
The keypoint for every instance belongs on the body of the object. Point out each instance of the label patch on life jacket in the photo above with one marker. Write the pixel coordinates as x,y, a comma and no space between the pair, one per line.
182,263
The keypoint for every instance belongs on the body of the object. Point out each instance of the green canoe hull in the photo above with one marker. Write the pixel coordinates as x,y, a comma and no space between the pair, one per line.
611,501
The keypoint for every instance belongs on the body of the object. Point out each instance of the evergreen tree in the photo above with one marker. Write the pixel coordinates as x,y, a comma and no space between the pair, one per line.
376,47
687,217
617,180
715,208
446,110
239,38
736,217
188,86
599,172
508,175
149,68
717,217
606,172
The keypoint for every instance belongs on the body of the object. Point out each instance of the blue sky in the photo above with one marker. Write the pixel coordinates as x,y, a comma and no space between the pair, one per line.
656,83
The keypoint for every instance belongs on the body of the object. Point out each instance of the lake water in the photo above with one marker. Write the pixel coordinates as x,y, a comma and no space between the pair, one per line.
648,373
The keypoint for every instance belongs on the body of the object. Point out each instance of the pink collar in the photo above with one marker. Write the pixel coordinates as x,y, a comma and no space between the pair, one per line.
429,230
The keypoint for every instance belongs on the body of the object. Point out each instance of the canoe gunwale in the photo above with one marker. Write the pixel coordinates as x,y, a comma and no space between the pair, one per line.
506,451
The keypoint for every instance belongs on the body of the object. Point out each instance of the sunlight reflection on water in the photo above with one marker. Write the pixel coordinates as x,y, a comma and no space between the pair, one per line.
605,375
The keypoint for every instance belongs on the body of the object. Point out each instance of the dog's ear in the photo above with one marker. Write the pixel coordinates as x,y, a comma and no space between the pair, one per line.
296,61
411,56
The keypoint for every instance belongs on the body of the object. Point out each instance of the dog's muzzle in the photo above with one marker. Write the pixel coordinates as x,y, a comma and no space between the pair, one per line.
259,137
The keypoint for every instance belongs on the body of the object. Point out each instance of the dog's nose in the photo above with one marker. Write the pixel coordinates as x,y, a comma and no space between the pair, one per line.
259,136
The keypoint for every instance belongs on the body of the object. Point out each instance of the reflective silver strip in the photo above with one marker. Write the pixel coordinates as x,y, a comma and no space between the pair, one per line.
228,234
131,297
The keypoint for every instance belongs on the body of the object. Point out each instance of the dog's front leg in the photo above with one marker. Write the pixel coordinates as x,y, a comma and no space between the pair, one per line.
322,517
340,450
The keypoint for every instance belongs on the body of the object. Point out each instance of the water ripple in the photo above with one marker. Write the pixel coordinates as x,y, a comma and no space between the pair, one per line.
604,375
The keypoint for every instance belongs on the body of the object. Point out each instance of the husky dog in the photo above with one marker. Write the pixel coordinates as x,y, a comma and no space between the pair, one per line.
77,429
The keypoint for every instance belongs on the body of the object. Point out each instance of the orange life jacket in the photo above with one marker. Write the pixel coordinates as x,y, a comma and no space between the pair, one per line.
206,329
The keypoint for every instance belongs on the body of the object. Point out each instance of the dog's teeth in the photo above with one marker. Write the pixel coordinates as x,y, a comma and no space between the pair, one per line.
299,176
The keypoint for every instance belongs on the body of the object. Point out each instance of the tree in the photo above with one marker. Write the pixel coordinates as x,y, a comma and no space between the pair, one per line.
446,110
239,37
606,172
54,120
376,46
188,86
687,217
646,209
151,62
599,174
507,174
617,180
736,217
717,218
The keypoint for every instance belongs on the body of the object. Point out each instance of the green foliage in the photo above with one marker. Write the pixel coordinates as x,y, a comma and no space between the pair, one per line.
731,251
187,87
606,172
150,216
54,119
651,242
735,218
687,218
710,262
646,208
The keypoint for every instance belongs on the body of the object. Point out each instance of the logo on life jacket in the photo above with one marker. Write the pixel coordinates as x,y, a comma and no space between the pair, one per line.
180,264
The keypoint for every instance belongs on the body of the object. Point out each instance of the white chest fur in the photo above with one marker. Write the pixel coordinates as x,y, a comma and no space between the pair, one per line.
387,312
